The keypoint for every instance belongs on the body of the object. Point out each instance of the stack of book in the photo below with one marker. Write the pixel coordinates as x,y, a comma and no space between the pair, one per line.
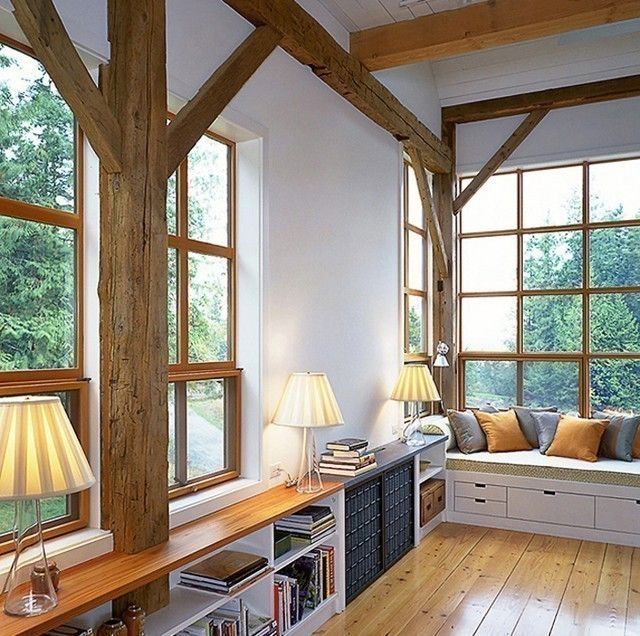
232,619
224,572
310,524
303,585
347,457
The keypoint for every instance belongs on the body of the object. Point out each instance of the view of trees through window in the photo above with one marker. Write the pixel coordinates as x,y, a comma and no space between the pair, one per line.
550,288
38,245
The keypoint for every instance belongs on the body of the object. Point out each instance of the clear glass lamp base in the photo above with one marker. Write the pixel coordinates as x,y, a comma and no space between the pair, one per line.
28,593
411,433
309,478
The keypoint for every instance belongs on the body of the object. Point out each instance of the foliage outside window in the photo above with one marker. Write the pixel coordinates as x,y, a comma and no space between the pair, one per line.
204,384
41,237
550,288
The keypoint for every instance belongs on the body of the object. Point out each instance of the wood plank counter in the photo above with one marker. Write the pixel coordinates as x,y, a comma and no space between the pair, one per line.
99,580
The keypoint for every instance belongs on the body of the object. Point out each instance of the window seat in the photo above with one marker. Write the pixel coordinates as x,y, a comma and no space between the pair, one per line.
532,463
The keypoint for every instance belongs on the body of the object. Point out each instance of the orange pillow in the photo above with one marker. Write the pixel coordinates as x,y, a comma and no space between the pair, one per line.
635,449
578,438
503,431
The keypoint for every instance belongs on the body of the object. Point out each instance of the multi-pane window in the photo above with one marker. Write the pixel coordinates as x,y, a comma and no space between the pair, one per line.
550,288
416,272
41,237
204,384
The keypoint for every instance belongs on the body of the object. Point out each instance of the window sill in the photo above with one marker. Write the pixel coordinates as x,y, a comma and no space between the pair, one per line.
71,549
195,505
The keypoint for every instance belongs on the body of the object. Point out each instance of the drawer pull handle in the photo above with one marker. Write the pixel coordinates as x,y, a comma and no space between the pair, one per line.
550,492
480,485
638,501
480,500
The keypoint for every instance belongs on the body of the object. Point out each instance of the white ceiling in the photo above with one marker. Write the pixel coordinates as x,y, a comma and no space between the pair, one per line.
355,15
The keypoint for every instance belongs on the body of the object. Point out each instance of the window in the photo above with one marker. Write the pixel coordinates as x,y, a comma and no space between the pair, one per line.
41,235
550,288
204,384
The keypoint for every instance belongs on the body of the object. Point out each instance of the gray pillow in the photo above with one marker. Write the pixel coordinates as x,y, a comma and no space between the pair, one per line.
527,425
617,440
469,435
546,423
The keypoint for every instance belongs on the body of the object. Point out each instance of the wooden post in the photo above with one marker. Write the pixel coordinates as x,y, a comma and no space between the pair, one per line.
133,290
445,325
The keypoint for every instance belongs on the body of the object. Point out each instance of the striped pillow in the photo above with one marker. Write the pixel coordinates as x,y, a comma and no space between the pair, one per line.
618,441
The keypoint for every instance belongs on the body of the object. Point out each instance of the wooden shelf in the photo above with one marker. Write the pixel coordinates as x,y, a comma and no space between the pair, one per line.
97,581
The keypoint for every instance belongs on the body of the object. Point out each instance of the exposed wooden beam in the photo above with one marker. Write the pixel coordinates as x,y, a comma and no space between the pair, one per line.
41,24
307,41
203,109
439,250
482,26
133,291
550,99
501,155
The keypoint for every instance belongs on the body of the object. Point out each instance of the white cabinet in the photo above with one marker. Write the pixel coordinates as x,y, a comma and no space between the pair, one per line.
481,489
551,506
621,515
481,506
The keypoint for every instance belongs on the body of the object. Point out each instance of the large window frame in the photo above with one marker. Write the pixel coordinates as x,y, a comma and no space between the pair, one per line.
585,291
183,371
68,380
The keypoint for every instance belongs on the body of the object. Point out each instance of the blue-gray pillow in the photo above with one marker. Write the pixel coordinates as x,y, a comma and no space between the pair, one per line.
545,423
469,436
617,440
524,413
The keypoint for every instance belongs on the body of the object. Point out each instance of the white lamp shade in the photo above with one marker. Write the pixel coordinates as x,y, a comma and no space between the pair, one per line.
415,384
40,455
308,402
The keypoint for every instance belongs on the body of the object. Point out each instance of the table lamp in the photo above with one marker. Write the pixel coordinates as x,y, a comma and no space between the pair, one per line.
40,457
415,385
308,403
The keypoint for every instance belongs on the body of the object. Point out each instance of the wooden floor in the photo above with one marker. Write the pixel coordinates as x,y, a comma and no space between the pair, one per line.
465,580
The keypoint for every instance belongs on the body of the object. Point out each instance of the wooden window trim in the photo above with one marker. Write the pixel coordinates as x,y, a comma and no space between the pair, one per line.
182,370
24,382
585,291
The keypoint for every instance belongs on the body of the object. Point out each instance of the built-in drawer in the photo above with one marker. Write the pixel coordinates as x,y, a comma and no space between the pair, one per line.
480,489
551,506
481,506
622,515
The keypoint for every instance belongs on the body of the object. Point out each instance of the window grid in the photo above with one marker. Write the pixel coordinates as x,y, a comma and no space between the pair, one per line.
183,370
585,291
62,380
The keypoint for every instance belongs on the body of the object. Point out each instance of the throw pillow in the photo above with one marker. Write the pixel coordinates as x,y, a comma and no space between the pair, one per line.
546,424
469,435
502,431
621,436
528,426
578,438
440,427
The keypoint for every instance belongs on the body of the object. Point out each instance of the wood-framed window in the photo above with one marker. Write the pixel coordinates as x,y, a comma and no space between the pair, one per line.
204,383
41,257
549,296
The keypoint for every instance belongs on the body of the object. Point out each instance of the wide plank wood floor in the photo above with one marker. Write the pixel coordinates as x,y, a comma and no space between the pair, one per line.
466,580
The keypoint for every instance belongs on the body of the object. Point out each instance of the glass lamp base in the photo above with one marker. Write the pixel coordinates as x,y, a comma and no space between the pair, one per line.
30,605
309,479
414,441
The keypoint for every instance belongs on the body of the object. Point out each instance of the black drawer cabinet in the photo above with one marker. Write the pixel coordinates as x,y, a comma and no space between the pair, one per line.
378,525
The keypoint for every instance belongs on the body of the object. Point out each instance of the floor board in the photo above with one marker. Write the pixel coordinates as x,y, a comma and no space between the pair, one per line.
467,581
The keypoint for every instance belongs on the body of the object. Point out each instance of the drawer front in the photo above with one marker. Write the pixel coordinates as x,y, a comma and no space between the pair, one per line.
439,500
426,508
622,515
481,489
551,506
481,506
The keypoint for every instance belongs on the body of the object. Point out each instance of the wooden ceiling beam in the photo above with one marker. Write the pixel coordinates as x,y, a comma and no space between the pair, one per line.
501,155
433,224
308,42
481,26
550,99
203,109
43,27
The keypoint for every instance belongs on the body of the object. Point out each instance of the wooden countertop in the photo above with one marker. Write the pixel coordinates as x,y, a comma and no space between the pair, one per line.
99,580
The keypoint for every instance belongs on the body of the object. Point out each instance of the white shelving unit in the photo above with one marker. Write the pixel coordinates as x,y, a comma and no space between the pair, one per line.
189,605
436,456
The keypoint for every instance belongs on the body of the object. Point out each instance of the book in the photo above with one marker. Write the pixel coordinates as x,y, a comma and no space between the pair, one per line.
226,567
358,459
348,472
348,444
351,453
69,630
220,588
310,513
332,464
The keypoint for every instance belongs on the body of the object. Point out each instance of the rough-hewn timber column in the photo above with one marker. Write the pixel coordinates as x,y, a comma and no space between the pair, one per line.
133,289
444,305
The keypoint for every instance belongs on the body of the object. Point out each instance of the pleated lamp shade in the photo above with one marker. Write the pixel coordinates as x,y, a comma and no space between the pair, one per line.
40,455
308,402
415,384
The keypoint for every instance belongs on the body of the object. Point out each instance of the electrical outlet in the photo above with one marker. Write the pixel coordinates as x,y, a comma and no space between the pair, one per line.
275,470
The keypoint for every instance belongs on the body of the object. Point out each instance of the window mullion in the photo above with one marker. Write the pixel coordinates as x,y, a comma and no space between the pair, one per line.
181,432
